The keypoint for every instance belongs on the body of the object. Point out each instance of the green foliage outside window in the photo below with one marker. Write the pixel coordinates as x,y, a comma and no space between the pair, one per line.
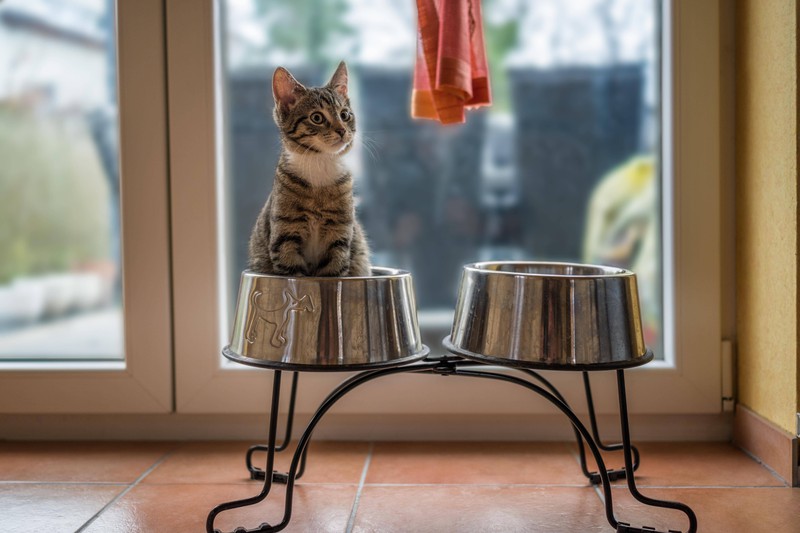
53,194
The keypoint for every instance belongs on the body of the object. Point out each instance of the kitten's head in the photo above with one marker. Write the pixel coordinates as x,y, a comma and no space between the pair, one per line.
314,120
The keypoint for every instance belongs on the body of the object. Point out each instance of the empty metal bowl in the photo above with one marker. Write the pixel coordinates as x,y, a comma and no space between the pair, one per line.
326,323
548,315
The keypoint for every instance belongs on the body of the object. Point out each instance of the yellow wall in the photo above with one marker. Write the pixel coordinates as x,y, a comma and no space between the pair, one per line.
766,208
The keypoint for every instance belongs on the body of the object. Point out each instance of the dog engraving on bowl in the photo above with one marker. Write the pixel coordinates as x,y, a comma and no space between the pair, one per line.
277,318
343,324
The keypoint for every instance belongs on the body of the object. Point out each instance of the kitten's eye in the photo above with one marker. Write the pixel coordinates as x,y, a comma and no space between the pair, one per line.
317,118
345,114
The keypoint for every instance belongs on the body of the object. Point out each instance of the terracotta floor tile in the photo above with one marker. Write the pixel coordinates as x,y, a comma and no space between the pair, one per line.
467,509
223,462
543,463
184,508
78,461
411,487
694,464
729,510
51,507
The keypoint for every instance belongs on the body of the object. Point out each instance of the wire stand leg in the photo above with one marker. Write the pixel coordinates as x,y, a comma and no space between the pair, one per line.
612,474
299,453
273,427
278,477
624,527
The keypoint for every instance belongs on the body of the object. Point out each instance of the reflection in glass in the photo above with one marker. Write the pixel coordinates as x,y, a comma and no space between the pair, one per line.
564,166
59,189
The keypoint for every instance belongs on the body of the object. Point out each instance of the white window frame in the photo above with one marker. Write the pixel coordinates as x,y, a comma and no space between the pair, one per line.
143,382
176,129
688,383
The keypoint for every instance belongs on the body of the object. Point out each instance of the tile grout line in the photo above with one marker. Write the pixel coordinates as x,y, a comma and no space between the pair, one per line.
600,495
483,485
97,483
124,492
765,465
352,518
597,490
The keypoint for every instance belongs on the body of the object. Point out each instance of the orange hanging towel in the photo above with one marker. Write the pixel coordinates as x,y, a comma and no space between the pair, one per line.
451,73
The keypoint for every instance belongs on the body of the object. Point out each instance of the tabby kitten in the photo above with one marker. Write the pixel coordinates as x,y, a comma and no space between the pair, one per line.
308,226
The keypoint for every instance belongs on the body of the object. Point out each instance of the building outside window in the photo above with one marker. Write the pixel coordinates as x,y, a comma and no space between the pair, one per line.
563,167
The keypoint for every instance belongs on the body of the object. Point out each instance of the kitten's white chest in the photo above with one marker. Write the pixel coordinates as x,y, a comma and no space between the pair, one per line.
318,170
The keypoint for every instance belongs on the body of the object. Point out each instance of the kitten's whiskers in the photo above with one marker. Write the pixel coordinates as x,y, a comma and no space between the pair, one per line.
370,145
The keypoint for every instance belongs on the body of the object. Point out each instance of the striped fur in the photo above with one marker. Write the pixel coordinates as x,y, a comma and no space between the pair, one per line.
308,225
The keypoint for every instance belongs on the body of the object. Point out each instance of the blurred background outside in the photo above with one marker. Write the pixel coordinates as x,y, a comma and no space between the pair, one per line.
563,167
60,294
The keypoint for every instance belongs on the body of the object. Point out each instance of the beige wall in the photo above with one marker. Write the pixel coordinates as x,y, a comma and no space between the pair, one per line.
766,208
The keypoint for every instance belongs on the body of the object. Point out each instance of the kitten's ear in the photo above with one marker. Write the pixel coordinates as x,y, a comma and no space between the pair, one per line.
339,79
285,89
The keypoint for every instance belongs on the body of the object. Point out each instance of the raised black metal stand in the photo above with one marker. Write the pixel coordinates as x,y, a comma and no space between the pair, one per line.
449,366
278,477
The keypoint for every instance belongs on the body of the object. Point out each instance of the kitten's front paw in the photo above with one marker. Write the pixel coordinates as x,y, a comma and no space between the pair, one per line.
294,271
360,271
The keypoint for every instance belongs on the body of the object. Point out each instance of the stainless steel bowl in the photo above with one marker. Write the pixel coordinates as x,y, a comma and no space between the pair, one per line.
326,323
548,315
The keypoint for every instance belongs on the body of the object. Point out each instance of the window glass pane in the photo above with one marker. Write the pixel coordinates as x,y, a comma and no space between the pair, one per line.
564,166
59,189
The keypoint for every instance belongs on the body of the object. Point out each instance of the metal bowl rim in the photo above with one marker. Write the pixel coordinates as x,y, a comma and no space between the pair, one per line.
391,273
298,367
608,272
642,359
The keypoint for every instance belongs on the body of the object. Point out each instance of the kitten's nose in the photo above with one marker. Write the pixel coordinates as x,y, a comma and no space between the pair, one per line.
341,132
